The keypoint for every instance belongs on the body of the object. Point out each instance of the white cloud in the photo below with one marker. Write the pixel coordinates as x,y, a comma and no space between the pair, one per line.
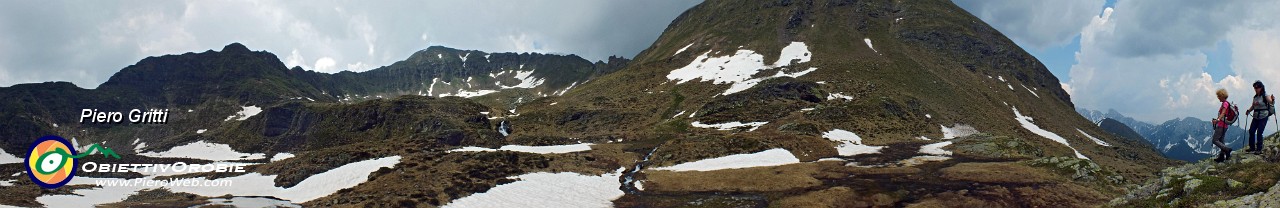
296,59
1136,86
1256,56
522,43
1067,87
326,64
1165,78
1039,24
359,66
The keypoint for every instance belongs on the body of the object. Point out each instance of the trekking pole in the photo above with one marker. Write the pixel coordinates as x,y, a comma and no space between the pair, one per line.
1247,124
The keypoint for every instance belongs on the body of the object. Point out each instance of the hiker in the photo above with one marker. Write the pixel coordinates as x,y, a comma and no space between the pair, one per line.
1261,109
1220,126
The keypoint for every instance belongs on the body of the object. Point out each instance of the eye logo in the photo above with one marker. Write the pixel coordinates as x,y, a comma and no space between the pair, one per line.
50,163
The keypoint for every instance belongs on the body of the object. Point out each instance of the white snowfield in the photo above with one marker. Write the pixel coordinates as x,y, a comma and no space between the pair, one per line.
729,125
837,95
1026,124
553,149
526,80
316,186
252,184
138,145
282,156
796,51
935,148
245,113
918,160
251,202
205,151
850,143
6,158
469,94
959,130
549,190
1095,139
772,157
737,69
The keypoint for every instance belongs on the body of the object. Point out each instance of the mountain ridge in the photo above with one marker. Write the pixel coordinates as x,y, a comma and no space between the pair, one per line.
862,103
1186,139
223,81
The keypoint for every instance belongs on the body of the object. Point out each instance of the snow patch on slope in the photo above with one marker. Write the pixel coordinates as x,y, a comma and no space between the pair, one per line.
959,130
682,49
553,149
1029,90
729,125
935,148
918,160
205,151
469,94
6,158
868,41
282,156
252,184
772,157
526,80
1095,139
1026,124
544,189
737,69
850,143
796,51
245,113
836,95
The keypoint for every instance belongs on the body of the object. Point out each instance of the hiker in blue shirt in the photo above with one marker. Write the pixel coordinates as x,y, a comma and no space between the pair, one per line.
1262,108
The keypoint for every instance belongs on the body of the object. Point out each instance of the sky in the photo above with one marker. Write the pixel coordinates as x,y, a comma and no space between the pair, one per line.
1151,60
85,42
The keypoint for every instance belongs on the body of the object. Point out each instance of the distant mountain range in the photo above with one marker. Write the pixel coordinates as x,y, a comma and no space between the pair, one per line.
1185,139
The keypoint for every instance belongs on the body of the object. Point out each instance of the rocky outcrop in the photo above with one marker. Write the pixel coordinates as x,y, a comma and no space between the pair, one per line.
1246,180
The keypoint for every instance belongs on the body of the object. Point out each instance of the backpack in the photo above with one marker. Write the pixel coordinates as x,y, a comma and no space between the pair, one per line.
1268,112
1268,108
1233,114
